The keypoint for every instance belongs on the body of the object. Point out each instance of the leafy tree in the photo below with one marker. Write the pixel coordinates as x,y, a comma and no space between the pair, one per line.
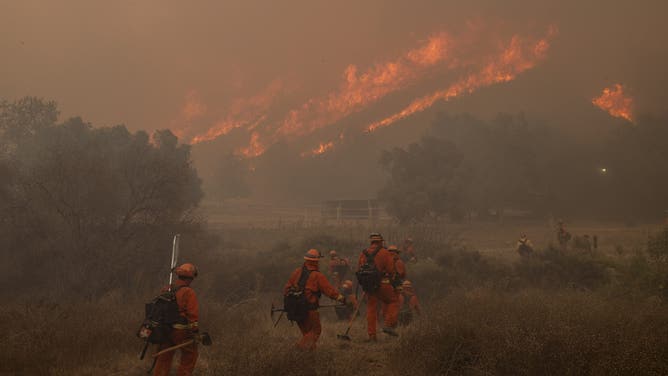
424,180
92,196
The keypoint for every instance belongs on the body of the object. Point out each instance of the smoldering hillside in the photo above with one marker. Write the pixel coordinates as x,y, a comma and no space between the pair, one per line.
249,68
470,124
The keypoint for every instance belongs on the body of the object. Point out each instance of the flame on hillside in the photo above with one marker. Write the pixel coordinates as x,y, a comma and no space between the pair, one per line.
476,55
614,101
243,113
360,89
520,55
321,149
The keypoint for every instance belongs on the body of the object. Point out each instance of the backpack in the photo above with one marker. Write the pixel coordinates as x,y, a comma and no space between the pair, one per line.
396,281
368,276
160,314
294,303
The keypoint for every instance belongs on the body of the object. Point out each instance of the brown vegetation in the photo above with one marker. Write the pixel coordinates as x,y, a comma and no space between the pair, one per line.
559,313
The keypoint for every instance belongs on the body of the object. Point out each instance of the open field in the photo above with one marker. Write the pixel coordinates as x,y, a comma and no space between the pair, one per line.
486,311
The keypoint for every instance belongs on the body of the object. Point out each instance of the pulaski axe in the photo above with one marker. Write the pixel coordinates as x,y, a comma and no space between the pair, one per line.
275,309
204,339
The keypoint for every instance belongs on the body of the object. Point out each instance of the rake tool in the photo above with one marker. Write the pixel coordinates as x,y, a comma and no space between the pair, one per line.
345,336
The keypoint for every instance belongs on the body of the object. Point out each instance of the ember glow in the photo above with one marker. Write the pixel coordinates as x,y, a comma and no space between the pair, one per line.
614,101
255,147
520,55
321,149
192,109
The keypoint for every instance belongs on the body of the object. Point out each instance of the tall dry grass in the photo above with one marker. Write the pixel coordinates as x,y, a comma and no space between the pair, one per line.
557,313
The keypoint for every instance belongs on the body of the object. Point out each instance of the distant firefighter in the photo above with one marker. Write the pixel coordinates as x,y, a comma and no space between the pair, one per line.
338,268
583,243
345,312
408,304
409,250
563,236
397,279
524,246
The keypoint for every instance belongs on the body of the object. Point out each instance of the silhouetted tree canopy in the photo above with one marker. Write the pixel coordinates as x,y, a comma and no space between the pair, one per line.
71,189
507,163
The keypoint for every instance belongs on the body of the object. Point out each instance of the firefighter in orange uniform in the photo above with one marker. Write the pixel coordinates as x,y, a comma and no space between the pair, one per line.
183,331
408,303
397,279
383,261
338,268
345,312
316,285
409,249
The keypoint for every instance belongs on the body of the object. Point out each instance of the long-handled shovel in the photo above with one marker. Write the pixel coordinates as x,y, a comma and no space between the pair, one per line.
345,335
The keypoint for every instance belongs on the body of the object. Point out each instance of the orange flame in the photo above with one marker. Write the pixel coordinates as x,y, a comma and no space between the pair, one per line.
361,89
518,56
321,149
243,113
192,109
255,147
615,102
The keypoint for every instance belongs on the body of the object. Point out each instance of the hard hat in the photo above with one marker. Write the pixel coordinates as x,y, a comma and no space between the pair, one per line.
407,284
186,271
312,255
393,248
347,284
332,253
375,237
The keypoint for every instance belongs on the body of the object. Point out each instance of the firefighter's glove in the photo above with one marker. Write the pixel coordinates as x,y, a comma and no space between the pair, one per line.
341,299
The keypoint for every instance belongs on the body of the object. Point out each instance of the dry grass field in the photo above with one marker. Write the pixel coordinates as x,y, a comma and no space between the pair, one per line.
486,310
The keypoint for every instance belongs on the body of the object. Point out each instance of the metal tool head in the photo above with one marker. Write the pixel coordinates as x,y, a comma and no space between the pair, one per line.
175,258
344,337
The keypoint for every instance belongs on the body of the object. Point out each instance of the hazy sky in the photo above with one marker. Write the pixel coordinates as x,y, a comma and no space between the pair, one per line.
136,62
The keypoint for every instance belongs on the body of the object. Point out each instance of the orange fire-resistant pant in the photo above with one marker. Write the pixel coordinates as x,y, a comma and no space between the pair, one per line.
311,330
188,355
390,299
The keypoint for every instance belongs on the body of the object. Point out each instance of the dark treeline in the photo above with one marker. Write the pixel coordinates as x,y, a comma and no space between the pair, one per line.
465,166
76,198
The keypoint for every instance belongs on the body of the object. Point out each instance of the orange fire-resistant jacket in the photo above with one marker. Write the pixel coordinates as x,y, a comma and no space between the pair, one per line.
400,267
411,299
338,263
384,260
316,283
188,304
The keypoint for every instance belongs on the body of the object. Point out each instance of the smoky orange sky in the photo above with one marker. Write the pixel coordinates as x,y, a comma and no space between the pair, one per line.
138,62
